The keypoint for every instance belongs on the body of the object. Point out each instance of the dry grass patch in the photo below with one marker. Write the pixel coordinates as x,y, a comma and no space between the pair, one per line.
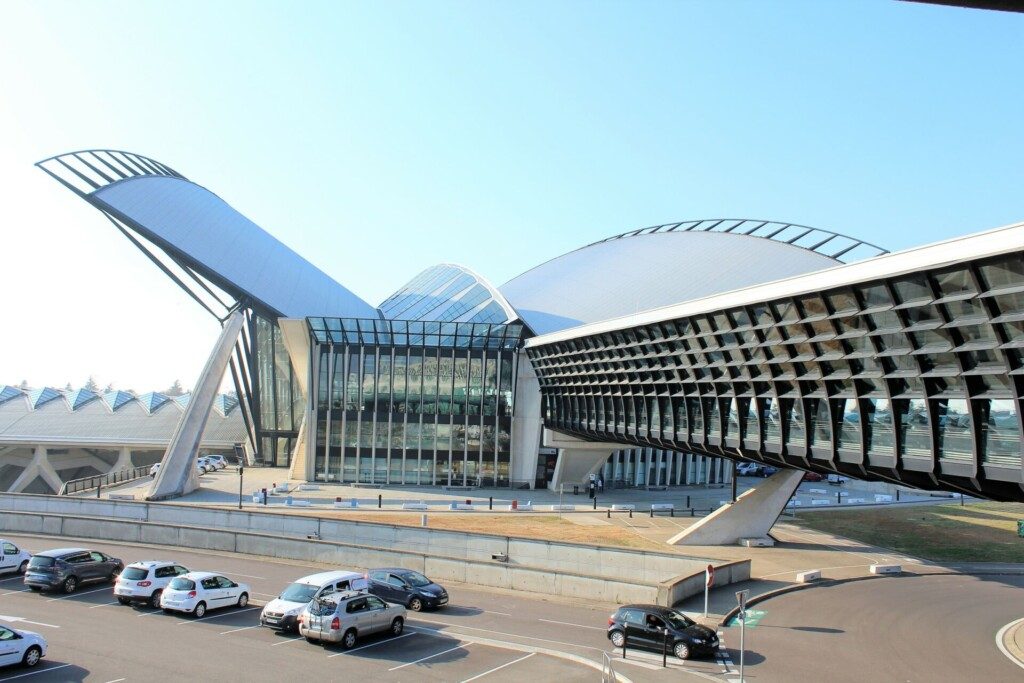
978,532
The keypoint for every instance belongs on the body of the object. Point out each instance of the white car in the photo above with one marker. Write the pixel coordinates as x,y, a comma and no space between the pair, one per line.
197,592
154,469
13,559
217,461
145,581
20,647
282,613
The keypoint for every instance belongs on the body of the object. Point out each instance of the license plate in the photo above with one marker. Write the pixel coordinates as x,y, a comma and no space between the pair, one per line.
122,591
443,601
272,621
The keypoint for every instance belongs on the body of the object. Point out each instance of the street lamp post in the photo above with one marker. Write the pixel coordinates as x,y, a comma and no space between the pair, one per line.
741,598
241,469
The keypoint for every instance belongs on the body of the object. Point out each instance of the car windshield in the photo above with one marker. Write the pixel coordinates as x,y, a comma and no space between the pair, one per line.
417,580
134,573
299,592
39,561
678,619
182,584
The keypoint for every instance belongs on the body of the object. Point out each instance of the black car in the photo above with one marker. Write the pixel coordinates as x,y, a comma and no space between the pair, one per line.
67,568
406,587
645,625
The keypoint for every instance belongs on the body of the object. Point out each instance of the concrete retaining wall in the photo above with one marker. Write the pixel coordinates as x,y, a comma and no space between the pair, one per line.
684,586
549,567
482,573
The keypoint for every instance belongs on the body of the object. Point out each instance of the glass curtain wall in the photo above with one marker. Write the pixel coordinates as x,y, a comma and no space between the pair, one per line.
414,402
279,397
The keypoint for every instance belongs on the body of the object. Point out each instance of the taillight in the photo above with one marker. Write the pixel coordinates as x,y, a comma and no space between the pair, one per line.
191,594
335,624
145,584
611,621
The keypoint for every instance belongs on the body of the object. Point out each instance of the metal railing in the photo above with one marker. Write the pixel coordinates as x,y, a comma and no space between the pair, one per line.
98,481
607,669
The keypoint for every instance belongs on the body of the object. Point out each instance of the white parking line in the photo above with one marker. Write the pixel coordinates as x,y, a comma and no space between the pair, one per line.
514,661
117,680
33,673
265,595
504,614
216,616
236,630
14,620
105,604
566,623
379,642
285,642
502,633
248,576
12,578
77,593
423,659
23,590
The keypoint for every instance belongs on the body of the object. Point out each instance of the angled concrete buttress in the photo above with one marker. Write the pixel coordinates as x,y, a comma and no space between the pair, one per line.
177,475
752,515
577,459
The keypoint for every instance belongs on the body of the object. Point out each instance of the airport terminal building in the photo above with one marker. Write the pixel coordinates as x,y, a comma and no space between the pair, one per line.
433,386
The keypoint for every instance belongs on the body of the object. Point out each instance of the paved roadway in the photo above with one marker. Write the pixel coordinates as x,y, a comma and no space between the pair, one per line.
483,635
911,628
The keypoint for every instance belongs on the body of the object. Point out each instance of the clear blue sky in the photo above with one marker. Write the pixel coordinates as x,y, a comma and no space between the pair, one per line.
379,138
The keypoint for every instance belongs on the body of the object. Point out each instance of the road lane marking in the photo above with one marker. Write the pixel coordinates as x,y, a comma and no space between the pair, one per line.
236,630
207,617
4,617
504,614
497,668
105,604
567,623
285,642
33,673
423,659
379,642
503,633
117,680
77,593
1002,648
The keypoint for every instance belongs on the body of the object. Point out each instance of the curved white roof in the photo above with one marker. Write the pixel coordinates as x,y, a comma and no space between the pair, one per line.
636,273
227,247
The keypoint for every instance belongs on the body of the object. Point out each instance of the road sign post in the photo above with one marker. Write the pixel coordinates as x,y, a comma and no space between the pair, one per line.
741,598
709,580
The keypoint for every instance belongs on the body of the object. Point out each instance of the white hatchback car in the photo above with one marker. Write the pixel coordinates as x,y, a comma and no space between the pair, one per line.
154,469
217,461
13,558
20,647
145,581
197,592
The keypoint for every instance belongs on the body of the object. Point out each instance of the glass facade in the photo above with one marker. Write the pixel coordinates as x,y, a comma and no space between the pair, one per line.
279,404
448,293
413,402
916,378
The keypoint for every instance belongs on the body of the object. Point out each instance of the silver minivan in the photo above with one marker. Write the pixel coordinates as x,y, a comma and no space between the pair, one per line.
345,617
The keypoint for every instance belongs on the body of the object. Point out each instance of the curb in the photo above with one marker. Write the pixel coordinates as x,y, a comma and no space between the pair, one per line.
1007,643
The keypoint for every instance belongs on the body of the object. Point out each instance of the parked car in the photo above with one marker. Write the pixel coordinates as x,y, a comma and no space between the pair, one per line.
13,558
282,613
813,476
837,479
345,617
747,469
217,461
201,468
407,587
645,626
154,470
67,568
20,647
197,592
768,471
205,464
145,581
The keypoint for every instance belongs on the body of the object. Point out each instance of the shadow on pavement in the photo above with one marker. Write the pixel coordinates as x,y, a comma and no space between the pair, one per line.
60,671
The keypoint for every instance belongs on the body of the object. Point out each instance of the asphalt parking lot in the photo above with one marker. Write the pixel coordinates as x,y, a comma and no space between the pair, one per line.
482,635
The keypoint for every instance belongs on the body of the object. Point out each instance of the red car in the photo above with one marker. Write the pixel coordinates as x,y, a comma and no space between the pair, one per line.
813,476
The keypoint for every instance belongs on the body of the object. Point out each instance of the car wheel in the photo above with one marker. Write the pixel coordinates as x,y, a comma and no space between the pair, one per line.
416,605
124,601
35,589
166,610
200,611
154,599
397,625
311,639
243,599
681,650
70,584
32,656
23,567
618,638
348,641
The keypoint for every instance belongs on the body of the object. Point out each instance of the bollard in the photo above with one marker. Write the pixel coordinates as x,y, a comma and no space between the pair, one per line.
515,504
839,498
608,512
337,499
631,514
595,502
691,512
664,648
897,495
490,502
99,486
380,501
652,513
469,502
423,520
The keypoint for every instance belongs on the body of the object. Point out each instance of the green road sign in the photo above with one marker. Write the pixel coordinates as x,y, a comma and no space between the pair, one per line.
754,617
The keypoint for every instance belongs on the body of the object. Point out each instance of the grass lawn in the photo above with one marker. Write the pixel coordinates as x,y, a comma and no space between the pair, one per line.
977,532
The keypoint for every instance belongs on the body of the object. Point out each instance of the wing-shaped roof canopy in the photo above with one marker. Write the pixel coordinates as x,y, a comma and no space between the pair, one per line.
449,292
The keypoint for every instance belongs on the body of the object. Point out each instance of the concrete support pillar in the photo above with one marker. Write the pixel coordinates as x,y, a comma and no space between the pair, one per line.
177,475
577,459
124,460
38,466
752,515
